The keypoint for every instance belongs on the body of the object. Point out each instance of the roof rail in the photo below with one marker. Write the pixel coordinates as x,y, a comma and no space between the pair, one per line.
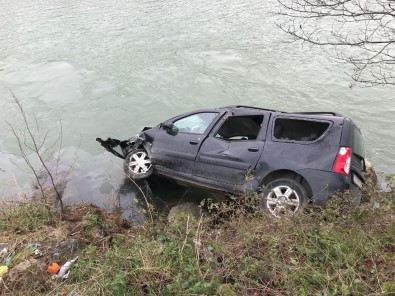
251,107
272,110
318,113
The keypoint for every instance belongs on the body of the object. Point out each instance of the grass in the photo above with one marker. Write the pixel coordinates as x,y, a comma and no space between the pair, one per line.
334,249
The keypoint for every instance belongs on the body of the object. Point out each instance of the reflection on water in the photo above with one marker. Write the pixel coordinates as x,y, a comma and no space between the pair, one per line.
139,200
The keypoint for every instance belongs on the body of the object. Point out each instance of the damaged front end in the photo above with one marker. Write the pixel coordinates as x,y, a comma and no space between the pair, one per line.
126,145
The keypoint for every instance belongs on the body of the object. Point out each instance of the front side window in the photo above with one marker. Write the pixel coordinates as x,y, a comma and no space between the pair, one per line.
240,128
196,123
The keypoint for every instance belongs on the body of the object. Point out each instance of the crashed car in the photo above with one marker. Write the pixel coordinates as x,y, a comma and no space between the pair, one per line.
288,158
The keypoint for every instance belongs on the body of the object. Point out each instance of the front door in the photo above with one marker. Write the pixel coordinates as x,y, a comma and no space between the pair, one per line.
230,153
177,151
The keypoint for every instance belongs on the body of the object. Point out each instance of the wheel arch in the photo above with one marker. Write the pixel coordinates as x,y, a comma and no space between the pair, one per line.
147,147
278,174
133,146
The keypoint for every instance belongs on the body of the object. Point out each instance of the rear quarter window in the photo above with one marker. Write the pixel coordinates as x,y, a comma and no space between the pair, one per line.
300,130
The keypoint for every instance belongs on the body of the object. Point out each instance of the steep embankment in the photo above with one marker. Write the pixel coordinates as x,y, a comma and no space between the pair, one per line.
335,249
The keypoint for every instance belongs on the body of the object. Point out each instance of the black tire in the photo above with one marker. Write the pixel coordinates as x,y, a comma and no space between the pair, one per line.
283,197
137,165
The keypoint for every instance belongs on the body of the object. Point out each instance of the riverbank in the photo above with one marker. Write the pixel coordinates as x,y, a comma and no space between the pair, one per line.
335,249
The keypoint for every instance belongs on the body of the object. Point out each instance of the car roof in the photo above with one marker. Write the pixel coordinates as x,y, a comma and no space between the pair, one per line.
238,108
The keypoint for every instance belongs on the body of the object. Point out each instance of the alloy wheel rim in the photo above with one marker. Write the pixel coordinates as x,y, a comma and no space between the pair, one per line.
282,201
140,163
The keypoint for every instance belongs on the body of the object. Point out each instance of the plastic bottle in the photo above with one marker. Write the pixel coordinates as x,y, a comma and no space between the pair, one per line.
63,271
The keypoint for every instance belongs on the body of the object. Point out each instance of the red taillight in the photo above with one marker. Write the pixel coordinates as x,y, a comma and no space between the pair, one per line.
343,161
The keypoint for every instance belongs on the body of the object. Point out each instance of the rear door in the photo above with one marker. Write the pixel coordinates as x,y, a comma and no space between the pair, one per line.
232,149
177,151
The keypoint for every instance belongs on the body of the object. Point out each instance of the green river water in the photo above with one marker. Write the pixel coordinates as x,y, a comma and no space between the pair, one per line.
108,68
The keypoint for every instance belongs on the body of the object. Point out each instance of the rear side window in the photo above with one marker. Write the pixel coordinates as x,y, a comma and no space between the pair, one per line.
299,130
240,128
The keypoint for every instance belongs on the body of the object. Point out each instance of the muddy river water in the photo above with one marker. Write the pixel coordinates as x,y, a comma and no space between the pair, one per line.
108,68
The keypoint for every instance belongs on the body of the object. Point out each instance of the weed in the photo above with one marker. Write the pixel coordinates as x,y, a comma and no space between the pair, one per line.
95,220
335,249
25,217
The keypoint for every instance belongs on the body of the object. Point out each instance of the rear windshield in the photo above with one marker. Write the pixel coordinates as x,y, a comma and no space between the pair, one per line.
299,130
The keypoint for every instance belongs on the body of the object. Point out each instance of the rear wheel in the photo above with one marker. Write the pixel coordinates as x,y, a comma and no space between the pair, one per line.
137,165
283,197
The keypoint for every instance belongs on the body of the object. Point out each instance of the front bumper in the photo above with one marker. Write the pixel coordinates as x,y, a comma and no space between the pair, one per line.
126,145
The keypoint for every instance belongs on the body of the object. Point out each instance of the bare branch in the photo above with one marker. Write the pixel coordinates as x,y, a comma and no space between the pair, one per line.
36,148
363,30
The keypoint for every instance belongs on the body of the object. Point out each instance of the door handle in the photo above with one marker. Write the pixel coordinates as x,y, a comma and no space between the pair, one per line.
193,142
253,149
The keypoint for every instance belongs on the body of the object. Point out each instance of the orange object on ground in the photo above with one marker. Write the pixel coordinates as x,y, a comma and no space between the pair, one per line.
53,268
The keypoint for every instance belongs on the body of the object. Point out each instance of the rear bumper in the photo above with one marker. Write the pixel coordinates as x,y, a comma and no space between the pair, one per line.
324,184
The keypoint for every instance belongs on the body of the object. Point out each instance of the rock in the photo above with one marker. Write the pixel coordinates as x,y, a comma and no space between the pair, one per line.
185,210
370,174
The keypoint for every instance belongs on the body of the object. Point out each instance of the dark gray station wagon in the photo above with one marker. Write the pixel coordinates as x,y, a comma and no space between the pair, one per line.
288,158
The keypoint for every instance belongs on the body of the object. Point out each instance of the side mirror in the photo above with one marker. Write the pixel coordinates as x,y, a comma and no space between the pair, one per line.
170,128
